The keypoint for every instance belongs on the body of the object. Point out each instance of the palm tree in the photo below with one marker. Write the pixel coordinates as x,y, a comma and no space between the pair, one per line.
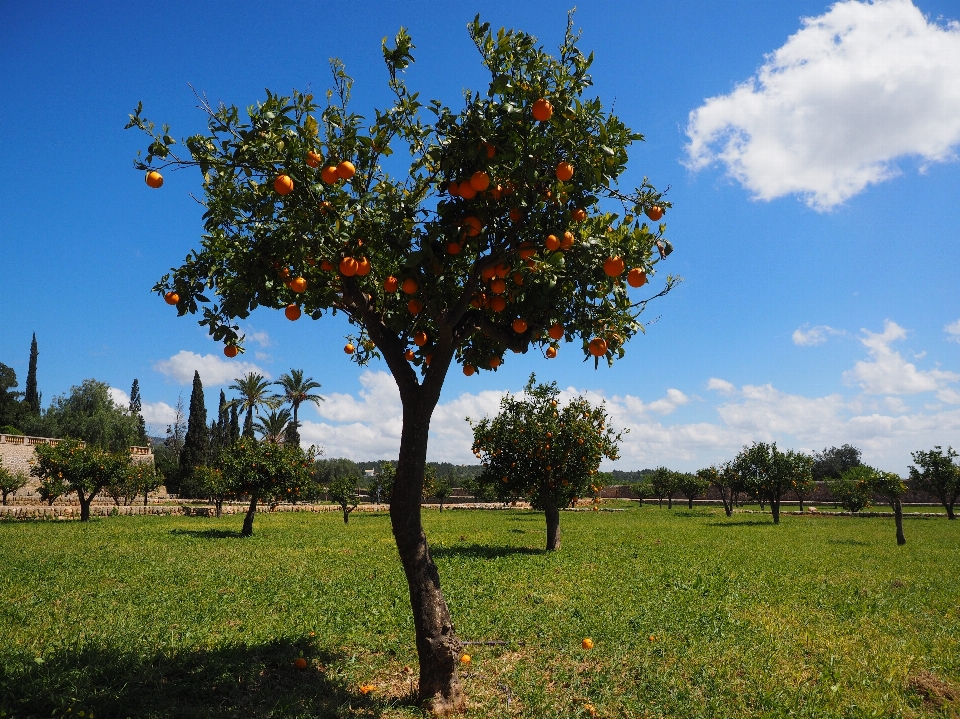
253,389
273,426
296,391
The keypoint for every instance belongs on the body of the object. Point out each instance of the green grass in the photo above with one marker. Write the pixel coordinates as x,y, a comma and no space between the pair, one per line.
177,616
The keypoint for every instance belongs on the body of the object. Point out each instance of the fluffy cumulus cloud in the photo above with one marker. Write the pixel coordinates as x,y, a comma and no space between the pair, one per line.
213,370
880,419
807,336
953,331
155,414
887,372
831,111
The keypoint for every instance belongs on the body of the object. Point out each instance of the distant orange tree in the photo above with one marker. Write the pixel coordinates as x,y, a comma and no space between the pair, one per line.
495,238
543,451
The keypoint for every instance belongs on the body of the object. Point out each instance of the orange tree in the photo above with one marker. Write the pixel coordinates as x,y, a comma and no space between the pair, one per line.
498,236
74,467
541,451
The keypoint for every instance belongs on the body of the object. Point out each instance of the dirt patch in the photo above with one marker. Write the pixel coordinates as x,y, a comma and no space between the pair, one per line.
932,689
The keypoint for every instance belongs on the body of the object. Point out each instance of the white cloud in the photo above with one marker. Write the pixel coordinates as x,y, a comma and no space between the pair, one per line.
953,329
832,110
155,414
721,386
887,372
807,336
213,370
259,336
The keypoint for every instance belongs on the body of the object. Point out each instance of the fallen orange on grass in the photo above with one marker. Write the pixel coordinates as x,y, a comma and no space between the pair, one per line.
300,663
587,643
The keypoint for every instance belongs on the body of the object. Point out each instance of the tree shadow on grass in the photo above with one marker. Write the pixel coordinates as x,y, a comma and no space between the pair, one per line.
743,523
482,551
208,533
240,681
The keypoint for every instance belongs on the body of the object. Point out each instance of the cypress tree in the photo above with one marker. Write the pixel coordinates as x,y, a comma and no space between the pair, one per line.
31,397
136,405
234,424
195,444
223,421
248,425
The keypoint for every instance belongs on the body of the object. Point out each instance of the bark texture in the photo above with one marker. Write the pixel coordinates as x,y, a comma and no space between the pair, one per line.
251,513
898,517
553,528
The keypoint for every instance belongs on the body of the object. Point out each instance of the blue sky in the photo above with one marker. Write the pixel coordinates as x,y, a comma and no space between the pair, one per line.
809,148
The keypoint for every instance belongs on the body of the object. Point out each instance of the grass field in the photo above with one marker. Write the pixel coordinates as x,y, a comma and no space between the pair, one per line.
693,615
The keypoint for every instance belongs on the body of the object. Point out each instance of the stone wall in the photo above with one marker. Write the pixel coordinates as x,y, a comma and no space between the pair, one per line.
17,452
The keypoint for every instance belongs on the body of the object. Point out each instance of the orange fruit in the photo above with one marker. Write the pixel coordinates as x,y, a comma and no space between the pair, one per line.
479,300
409,286
517,278
300,663
498,286
298,284
564,171
325,207
498,304
598,346
409,355
310,261
453,188
466,190
313,159
614,266
556,331
453,248
636,277
480,180
500,269
655,213
514,215
171,298
551,352
472,226
552,243
542,110
487,274
153,179
366,688
283,185
519,325
346,170
427,359
292,313
391,284
329,174
566,242
527,250
579,215
491,150
363,267
348,267
469,369
284,272
495,362
326,265
420,338
349,348
231,351
587,643
414,306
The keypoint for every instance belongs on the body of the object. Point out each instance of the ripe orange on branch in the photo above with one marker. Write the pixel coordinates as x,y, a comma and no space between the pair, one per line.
231,351
298,284
453,248
655,213
556,331
480,181
564,171
472,226
346,170
410,286
542,110
283,185
420,338
171,298
314,159
498,304
453,188
329,174
579,215
636,277
552,243
292,312
363,267
154,179
414,306
551,352
614,266
349,348
391,284
348,267
469,369
519,325
466,190
566,242
598,346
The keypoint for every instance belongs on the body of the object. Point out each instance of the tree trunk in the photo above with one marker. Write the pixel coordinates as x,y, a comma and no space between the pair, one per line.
438,647
775,509
898,518
553,527
660,502
218,507
801,504
5,498
84,506
689,502
346,513
251,513
669,501
949,506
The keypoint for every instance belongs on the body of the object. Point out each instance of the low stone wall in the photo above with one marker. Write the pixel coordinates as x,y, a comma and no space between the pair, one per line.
820,495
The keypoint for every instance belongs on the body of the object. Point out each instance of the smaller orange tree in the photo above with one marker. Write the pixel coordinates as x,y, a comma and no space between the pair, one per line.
265,471
72,466
545,452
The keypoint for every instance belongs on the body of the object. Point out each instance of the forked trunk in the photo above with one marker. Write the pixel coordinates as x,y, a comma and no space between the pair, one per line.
438,647
553,527
251,513
898,518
